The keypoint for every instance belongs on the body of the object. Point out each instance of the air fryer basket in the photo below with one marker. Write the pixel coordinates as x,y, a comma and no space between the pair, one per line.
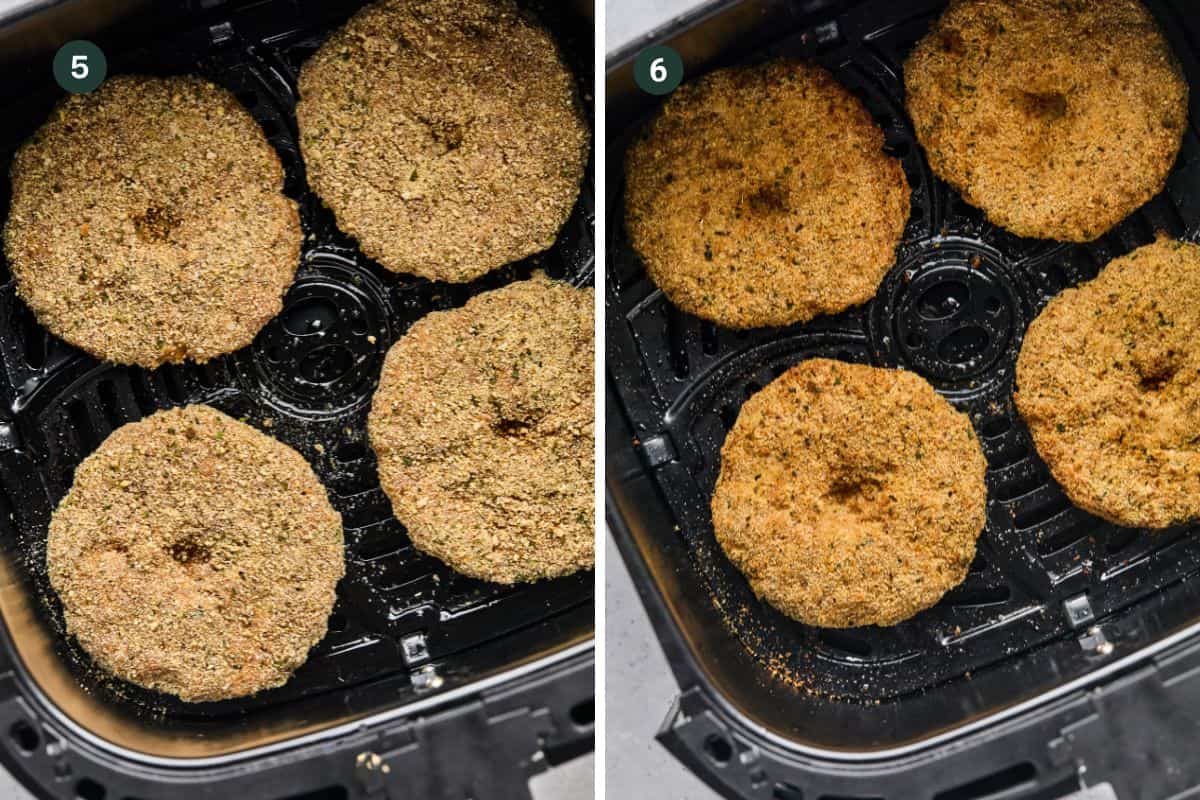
414,651
1055,598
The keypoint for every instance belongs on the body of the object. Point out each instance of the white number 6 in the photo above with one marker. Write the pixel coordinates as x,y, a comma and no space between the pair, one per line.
658,70
79,67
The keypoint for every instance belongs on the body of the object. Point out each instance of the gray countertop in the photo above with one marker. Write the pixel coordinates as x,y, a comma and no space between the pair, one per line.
639,688
639,684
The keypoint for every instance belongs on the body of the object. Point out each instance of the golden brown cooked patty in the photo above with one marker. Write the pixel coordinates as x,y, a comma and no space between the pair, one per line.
850,495
148,223
1058,118
196,556
1109,383
761,196
483,428
446,135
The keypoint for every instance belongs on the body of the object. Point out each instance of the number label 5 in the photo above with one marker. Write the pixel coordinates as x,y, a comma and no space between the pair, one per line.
79,66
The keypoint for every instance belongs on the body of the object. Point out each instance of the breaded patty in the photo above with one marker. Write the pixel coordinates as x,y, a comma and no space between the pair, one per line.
445,135
1058,118
483,428
1109,383
761,195
148,222
850,495
196,556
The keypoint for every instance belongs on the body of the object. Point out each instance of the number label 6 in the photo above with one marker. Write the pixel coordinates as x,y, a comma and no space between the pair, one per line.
658,70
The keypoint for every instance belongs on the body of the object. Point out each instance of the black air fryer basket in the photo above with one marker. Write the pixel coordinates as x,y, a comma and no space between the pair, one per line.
1069,656
428,684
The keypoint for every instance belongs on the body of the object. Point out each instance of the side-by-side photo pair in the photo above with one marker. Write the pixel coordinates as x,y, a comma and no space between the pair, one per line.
569,400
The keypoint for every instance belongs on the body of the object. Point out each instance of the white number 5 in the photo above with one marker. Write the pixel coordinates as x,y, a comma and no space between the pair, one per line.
79,67
658,70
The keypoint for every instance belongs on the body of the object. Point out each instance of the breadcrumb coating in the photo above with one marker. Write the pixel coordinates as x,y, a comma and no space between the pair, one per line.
196,556
148,223
1057,118
850,495
445,135
761,195
1108,382
483,426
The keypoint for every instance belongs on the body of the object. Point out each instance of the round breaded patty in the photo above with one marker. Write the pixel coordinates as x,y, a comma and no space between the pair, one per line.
483,429
850,495
1058,118
148,222
1109,383
445,135
196,556
761,195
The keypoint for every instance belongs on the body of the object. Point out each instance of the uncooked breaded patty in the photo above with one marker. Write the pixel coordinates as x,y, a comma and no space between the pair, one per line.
1109,383
148,222
1058,118
762,196
850,495
196,556
446,135
483,429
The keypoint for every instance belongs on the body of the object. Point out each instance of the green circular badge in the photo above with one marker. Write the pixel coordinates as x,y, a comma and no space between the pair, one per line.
658,69
79,66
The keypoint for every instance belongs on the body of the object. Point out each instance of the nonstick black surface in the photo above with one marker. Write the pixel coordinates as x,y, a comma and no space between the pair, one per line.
954,309
307,380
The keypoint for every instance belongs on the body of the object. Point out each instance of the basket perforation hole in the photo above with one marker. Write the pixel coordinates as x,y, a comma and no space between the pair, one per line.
1120,540
174,385
718,748
34,339
1020,486
786,791
109,403
201,375
81,423
979,596
1061,540
729,415
24,736
995,427
677,343
1010,455
1000,781
88,789
143,393
1040,514
709,343
846,642
351,452
583,713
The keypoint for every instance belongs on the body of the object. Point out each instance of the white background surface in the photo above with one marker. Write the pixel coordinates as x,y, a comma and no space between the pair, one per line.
640,686
639,689
628,19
